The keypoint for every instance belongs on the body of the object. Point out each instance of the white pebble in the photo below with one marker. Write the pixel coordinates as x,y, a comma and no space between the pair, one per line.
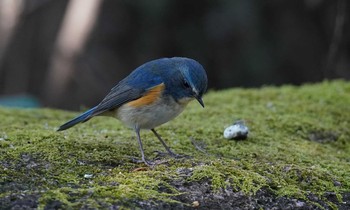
238,131
88,176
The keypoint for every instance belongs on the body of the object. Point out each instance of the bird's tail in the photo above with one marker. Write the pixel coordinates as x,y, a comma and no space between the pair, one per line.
81,118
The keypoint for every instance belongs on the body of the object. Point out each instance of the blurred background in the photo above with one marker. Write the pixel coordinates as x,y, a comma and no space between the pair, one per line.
69,53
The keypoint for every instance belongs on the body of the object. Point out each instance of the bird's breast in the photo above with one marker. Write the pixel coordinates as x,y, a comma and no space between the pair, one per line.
150,115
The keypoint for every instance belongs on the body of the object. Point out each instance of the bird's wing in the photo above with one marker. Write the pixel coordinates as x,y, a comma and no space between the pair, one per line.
134,92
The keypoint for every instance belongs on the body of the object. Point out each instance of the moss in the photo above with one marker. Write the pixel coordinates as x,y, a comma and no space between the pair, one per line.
299,144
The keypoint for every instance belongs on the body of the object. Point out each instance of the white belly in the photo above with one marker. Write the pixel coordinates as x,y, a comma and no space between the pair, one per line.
152,115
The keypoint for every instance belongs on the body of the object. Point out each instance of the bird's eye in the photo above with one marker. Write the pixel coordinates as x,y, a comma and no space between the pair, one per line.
186,84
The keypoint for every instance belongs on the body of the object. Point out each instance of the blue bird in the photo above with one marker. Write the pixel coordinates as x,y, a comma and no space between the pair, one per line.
151,95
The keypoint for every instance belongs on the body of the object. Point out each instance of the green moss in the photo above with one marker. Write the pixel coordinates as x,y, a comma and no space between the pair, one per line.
299,143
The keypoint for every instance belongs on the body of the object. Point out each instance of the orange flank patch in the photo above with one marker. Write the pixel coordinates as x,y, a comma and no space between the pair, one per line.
151,96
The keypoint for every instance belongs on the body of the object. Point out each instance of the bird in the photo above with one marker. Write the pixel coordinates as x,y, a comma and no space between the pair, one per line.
151,95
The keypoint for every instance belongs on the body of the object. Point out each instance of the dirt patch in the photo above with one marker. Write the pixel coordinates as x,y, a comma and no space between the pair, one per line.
194,195
19,201
323,136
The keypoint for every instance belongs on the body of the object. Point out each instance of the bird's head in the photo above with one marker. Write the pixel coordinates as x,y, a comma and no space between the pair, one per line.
191,80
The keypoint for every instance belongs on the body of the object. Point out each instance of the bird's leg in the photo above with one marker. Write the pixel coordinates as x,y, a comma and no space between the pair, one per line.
137,130
171,153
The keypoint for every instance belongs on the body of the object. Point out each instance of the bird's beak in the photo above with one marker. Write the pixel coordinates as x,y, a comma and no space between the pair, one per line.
199,99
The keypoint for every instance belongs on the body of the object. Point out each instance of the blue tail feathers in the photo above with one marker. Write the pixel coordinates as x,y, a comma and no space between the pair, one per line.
81,118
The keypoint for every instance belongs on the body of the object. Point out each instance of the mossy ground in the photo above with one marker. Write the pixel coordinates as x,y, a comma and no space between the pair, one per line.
298,149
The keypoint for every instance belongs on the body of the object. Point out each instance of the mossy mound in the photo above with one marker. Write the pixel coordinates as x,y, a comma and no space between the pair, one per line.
297,155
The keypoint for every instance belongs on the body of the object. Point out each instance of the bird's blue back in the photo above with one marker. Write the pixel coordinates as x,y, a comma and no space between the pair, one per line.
169,71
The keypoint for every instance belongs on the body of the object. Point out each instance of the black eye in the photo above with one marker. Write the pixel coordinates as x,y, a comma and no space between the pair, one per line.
186,84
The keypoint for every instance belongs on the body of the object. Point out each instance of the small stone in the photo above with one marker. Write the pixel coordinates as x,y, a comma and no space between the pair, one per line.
299,204
336,183
237,131
195,204
88,176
